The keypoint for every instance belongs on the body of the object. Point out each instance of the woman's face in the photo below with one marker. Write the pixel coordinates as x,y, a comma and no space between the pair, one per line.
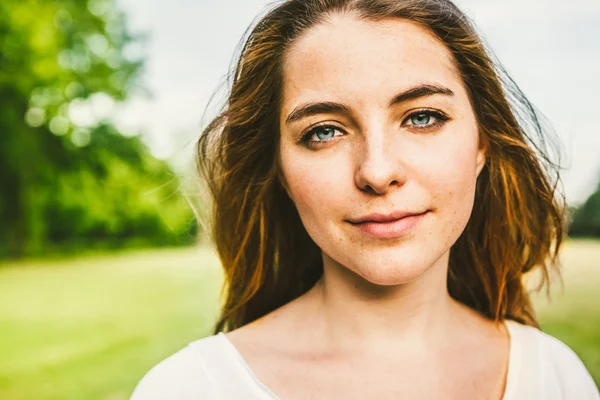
376,126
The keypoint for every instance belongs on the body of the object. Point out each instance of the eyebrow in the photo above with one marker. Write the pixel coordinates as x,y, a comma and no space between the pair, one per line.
308,109
328,107
421,91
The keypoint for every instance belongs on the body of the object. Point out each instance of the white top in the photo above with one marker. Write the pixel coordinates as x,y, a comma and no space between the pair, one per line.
540,367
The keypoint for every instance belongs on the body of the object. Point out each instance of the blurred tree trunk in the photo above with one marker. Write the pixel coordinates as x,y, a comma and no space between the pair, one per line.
16,167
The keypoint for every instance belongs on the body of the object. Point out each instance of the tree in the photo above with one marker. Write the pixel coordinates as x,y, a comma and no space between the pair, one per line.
585,219
62,176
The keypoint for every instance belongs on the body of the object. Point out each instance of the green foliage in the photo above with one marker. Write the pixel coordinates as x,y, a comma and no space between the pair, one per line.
585,219
116,193
69,182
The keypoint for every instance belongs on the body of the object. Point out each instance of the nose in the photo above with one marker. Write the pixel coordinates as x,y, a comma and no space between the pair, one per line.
379,167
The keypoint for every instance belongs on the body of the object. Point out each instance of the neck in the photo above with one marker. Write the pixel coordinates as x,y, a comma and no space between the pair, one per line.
355,313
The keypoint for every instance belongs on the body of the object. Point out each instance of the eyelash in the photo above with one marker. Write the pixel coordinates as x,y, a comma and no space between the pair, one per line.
440,119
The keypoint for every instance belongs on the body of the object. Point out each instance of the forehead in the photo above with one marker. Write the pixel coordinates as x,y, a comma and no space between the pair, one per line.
361,60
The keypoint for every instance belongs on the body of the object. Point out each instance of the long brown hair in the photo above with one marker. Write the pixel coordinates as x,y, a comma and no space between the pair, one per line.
269,259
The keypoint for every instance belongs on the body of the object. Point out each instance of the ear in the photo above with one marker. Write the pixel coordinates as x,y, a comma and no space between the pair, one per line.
482,153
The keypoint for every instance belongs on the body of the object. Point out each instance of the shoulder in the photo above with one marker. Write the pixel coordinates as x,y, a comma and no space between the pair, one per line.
565,366
558,365
181,375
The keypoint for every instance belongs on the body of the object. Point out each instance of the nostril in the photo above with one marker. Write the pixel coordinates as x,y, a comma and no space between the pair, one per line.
382,188
380,174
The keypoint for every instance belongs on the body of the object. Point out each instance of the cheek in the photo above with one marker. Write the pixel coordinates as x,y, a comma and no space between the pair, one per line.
456,169
452,181
312,184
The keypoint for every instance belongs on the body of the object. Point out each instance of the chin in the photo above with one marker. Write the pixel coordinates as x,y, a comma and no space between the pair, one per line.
391,276
389,271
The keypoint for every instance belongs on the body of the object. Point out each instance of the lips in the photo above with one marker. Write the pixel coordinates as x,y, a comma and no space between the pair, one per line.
388,226
377,217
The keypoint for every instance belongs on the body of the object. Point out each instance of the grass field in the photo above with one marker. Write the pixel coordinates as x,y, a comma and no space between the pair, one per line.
90,327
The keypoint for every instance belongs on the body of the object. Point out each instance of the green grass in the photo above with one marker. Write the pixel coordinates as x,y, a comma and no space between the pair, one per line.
573,314
90,327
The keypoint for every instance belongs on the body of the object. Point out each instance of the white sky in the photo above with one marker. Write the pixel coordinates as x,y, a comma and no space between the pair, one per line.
550,47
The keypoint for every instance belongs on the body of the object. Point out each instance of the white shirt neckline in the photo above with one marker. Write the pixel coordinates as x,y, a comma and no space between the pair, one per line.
512,374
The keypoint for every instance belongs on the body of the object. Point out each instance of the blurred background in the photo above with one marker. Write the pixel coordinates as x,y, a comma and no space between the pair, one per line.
103,270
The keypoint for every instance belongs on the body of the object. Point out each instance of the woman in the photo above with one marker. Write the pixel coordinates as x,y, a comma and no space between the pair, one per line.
379,190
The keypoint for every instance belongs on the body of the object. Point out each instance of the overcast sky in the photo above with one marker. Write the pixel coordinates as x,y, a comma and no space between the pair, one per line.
550,47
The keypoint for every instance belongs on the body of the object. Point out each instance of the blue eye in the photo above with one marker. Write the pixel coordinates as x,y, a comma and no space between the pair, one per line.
324,132
425,119
320,134
420,119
